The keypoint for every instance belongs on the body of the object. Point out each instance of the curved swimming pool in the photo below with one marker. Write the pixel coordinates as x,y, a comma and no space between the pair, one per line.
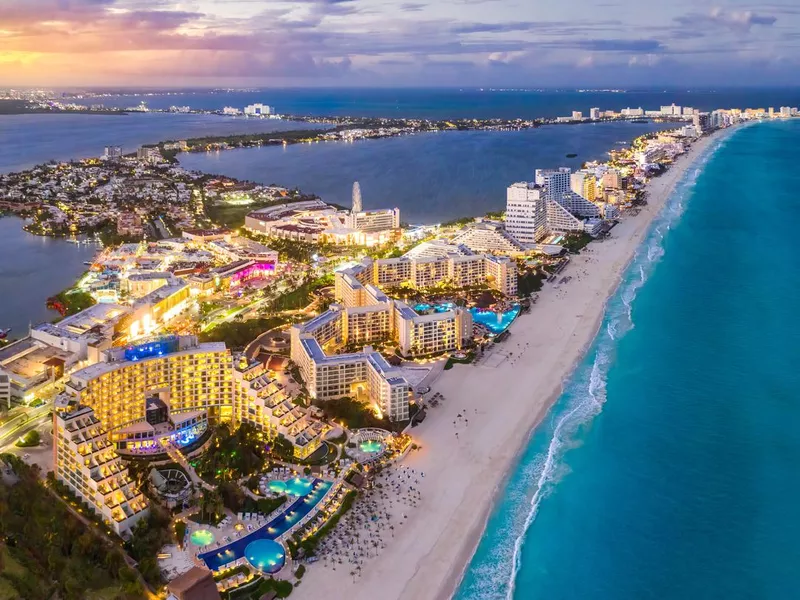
265,555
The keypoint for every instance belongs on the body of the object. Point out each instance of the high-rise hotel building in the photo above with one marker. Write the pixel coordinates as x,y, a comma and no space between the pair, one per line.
526,212
173,373
85,460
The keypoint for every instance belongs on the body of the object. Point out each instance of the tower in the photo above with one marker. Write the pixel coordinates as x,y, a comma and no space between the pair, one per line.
357,198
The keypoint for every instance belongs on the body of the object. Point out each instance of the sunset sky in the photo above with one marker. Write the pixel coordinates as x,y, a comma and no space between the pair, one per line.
531,43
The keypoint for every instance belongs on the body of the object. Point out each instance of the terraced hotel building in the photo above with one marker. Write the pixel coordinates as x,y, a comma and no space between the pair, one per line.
85,460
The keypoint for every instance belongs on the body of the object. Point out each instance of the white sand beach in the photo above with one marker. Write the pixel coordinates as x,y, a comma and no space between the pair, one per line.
502,402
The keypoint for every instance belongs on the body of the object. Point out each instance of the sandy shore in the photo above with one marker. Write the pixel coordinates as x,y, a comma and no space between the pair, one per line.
503,403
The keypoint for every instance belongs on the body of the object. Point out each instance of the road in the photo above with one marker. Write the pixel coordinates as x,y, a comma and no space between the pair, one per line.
22,423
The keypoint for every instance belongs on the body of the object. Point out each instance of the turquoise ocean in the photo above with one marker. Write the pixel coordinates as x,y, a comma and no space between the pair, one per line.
669,467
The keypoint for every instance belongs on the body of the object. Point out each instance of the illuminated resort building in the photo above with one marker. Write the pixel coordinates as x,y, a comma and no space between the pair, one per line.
363,375
459,270
364,315
489,237
315,222
149,313
84,459
161,391
52,350
165,392
259,400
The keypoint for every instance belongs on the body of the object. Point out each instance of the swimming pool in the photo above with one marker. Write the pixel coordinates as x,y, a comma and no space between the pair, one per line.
298,486
276,486
290,516
266,555
495,322
439,308
370,446
202,537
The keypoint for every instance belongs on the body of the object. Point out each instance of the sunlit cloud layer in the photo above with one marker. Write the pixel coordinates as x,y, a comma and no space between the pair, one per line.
521,43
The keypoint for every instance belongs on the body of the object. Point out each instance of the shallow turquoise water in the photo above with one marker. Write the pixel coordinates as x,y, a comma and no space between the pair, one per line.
298,486
202,537
495,322
370,446
279,487
266,555
668,469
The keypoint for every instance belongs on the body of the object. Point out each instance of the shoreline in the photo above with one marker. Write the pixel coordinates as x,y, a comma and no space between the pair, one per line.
434,549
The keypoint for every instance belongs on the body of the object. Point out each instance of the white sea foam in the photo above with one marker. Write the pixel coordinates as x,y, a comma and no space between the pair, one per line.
585,396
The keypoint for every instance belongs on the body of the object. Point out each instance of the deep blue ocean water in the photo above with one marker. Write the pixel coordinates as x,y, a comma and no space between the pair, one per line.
455,103
668,468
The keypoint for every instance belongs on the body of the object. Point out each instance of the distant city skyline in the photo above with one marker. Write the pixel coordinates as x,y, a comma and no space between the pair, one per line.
511,43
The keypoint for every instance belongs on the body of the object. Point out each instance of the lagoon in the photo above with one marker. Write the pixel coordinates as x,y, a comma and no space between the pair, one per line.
33,268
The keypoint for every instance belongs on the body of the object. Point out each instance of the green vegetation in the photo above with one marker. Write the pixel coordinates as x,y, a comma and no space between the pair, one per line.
280,587
30,439
530,282
232,455
180,532
237,334
575,242
236,500
303,295
149,536
459,361
257,588
352,413
231,216
301,570
48,552
291,250
70,301
459,222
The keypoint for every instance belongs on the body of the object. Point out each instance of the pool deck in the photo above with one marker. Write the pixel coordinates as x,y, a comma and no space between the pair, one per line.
275,527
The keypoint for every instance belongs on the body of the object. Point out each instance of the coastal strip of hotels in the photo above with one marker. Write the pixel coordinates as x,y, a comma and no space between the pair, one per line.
393,390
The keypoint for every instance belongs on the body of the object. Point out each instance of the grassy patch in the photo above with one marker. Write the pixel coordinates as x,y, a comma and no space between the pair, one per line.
70,301
575,242
452,361
29,440
353,413
239,334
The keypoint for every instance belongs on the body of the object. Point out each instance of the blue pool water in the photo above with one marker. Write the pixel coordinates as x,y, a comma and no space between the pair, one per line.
298,509
439,308
298,486
266,555
279,487
495,322
668,468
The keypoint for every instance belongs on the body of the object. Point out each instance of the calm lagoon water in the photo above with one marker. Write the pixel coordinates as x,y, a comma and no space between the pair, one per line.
29,140
431,177
33,268
668,469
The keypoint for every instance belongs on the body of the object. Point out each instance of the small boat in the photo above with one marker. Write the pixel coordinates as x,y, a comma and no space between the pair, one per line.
571,155
4,333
